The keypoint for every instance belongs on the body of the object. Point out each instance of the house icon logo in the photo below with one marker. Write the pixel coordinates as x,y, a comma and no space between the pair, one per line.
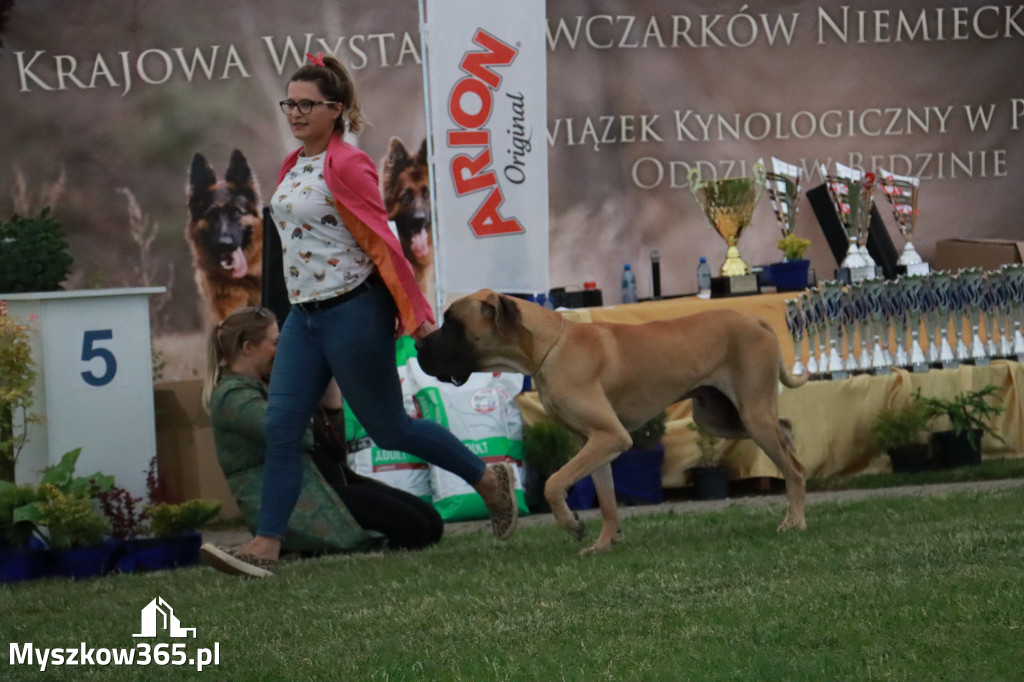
159,614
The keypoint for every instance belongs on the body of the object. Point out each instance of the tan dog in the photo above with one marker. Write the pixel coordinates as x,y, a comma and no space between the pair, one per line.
602,380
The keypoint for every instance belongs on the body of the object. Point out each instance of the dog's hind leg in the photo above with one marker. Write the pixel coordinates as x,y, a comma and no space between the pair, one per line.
775,437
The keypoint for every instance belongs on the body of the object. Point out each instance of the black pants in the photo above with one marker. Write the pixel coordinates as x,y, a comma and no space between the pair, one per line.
407,521
404,519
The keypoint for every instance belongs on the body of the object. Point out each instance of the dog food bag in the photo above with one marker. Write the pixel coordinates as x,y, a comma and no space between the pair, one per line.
397,469
483,414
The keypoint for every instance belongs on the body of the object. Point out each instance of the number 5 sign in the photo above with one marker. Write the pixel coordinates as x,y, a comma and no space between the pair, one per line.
95,382
91,349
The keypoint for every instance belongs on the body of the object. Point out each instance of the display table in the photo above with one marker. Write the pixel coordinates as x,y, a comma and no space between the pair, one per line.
769,307
831,419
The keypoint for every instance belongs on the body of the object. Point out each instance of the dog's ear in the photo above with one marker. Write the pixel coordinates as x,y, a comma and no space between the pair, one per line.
394,162
397,158
507,318
240,176
200,183
421,155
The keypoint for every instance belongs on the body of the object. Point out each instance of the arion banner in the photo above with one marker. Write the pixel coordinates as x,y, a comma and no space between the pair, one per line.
485,64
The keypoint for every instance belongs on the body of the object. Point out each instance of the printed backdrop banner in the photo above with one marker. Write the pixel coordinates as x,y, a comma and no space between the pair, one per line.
112,111
487,104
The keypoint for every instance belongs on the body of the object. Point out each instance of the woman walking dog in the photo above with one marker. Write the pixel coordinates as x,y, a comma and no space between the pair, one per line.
348,283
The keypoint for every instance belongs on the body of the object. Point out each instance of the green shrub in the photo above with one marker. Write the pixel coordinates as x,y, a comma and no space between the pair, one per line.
14,499
71,520
547,446
17,378
650,432
904,425
171,520
969,413
707,443
33,254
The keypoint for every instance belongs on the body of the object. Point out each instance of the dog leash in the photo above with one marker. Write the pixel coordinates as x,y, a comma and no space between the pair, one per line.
553,344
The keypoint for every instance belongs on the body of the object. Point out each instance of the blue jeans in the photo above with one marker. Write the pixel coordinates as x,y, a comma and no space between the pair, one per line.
355,343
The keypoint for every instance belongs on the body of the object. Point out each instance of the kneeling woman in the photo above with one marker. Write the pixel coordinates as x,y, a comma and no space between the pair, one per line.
337,510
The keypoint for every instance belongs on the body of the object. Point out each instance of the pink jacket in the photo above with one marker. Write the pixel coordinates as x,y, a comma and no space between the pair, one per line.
352,179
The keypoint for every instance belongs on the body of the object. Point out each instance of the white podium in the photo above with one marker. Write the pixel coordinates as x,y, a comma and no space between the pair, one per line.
94,383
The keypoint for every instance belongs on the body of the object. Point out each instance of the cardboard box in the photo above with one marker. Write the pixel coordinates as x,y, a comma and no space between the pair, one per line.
990,254
185,452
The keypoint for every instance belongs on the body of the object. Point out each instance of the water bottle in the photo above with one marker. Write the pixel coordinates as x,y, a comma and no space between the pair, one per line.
628,285
703,278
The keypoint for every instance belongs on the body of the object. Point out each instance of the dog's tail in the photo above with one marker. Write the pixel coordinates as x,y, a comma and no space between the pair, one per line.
787,378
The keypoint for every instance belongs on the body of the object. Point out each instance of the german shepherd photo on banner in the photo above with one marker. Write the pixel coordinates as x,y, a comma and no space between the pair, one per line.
405,186
225,235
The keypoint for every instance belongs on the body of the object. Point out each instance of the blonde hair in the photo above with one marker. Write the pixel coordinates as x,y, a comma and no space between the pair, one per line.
224,343
336,85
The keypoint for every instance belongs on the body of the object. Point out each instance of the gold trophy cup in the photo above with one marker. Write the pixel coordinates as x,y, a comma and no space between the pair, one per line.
729,206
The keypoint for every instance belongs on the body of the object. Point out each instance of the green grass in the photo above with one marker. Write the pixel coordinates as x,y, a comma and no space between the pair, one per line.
988,470
912,588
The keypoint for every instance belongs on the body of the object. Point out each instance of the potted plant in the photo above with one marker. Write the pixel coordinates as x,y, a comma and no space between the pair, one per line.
637,471
55,527
791,273
969,414
156,534
176,537
75,532
86,526
547,446
710,477
901,433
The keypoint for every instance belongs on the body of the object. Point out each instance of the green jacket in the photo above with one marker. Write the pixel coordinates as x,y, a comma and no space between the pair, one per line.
320,522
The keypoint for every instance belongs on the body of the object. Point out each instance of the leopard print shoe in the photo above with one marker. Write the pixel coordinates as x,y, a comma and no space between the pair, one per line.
234,561
504,512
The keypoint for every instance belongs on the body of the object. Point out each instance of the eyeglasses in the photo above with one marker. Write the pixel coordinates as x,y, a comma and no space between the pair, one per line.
303,105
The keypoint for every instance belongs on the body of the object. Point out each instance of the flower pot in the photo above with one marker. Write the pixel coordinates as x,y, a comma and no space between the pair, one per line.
910,458
154,554
637,475
791,275
710,483
952,450
533,490
19,563
80,562
582,495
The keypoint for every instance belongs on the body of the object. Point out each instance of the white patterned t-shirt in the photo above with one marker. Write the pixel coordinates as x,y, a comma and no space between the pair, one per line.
321,257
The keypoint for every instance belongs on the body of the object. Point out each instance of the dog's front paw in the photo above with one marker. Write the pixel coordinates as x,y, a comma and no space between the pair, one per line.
597,548
788,524
577,528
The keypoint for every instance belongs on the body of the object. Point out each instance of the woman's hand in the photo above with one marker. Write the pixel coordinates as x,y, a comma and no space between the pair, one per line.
423,330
